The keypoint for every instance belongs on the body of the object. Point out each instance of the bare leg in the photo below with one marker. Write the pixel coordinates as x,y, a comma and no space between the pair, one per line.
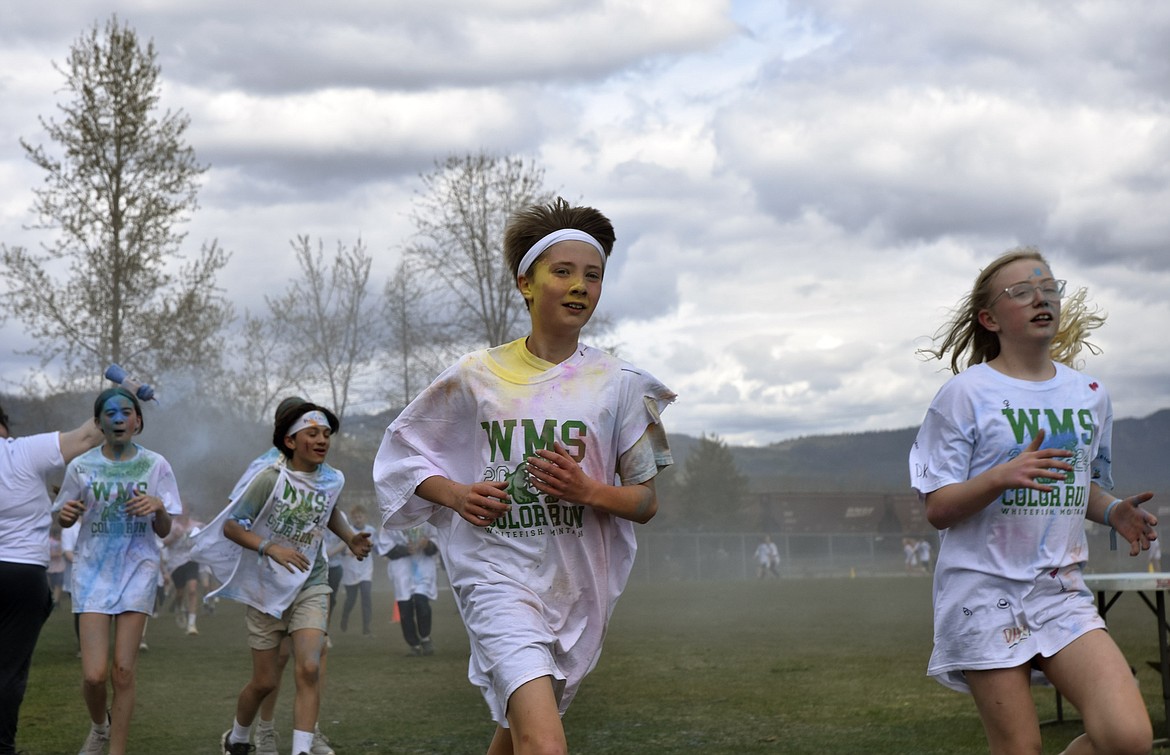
1093,674
307,646
94,629
192,596
501,742
128,628
534,722
268,705
265,679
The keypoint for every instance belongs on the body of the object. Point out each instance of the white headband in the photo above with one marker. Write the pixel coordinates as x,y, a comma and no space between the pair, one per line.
565,234
308,419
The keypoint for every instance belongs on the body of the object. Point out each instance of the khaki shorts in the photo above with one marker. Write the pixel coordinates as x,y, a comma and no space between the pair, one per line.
309,610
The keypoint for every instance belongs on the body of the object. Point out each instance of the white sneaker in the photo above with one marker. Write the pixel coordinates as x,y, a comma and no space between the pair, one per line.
265,741
95,743
320,744
191,630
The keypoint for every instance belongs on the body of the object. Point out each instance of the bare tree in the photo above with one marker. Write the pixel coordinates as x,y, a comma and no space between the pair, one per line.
117,183
260,380
420,339
459,220
325,321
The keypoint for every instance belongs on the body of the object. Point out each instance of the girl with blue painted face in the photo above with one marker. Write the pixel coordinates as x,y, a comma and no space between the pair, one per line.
121,496
1013,456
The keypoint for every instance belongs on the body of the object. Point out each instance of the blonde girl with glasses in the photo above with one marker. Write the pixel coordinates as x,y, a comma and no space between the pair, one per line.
1012,456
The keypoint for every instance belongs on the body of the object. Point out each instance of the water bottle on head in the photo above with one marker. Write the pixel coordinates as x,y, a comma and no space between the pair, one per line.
116,374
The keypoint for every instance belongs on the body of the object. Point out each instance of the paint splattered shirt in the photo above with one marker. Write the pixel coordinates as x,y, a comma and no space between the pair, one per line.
549,573
1008,584
291,509
116,559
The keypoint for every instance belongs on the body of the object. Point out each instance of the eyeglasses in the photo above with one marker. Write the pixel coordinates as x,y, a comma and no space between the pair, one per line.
1022,293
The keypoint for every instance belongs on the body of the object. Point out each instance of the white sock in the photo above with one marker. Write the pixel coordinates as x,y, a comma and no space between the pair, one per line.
265,725
302,741
239,733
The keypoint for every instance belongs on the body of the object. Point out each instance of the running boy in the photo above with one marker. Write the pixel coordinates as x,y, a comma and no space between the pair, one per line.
513,453
1012,457
281,515
122,496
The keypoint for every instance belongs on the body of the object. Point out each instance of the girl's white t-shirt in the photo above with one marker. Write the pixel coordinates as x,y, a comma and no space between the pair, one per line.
116,560
1007,582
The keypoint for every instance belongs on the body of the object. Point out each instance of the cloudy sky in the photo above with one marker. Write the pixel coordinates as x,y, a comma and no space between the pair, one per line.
801,190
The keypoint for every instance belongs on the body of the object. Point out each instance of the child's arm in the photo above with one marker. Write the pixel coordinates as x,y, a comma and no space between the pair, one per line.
478,504
1135,524
358,542
290,558
557,474
953,503
247,506
75,442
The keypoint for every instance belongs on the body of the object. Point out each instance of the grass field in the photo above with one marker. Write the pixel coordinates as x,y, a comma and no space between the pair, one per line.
791,666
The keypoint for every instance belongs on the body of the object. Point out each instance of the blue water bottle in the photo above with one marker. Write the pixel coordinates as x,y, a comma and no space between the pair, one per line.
116,374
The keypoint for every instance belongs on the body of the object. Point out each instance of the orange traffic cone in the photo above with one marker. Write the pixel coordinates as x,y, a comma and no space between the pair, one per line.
396,618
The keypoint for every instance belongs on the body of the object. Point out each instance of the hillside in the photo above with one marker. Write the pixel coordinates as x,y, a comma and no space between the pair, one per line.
877,461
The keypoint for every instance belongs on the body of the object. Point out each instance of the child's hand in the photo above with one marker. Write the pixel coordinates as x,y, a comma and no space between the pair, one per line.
290,558
555,473
143,505
360,545
70,513
482,503
1034,464
1135,524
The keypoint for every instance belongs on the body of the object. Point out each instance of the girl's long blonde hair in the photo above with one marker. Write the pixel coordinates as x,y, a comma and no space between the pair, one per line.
963,337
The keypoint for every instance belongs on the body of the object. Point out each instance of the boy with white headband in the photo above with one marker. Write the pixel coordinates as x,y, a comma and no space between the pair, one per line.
533,460
282,515
220,555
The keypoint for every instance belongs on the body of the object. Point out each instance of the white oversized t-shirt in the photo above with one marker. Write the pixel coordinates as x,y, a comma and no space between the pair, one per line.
295,514
1007,582
549,573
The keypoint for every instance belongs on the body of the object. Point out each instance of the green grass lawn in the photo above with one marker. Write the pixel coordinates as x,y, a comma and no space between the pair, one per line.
792,666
